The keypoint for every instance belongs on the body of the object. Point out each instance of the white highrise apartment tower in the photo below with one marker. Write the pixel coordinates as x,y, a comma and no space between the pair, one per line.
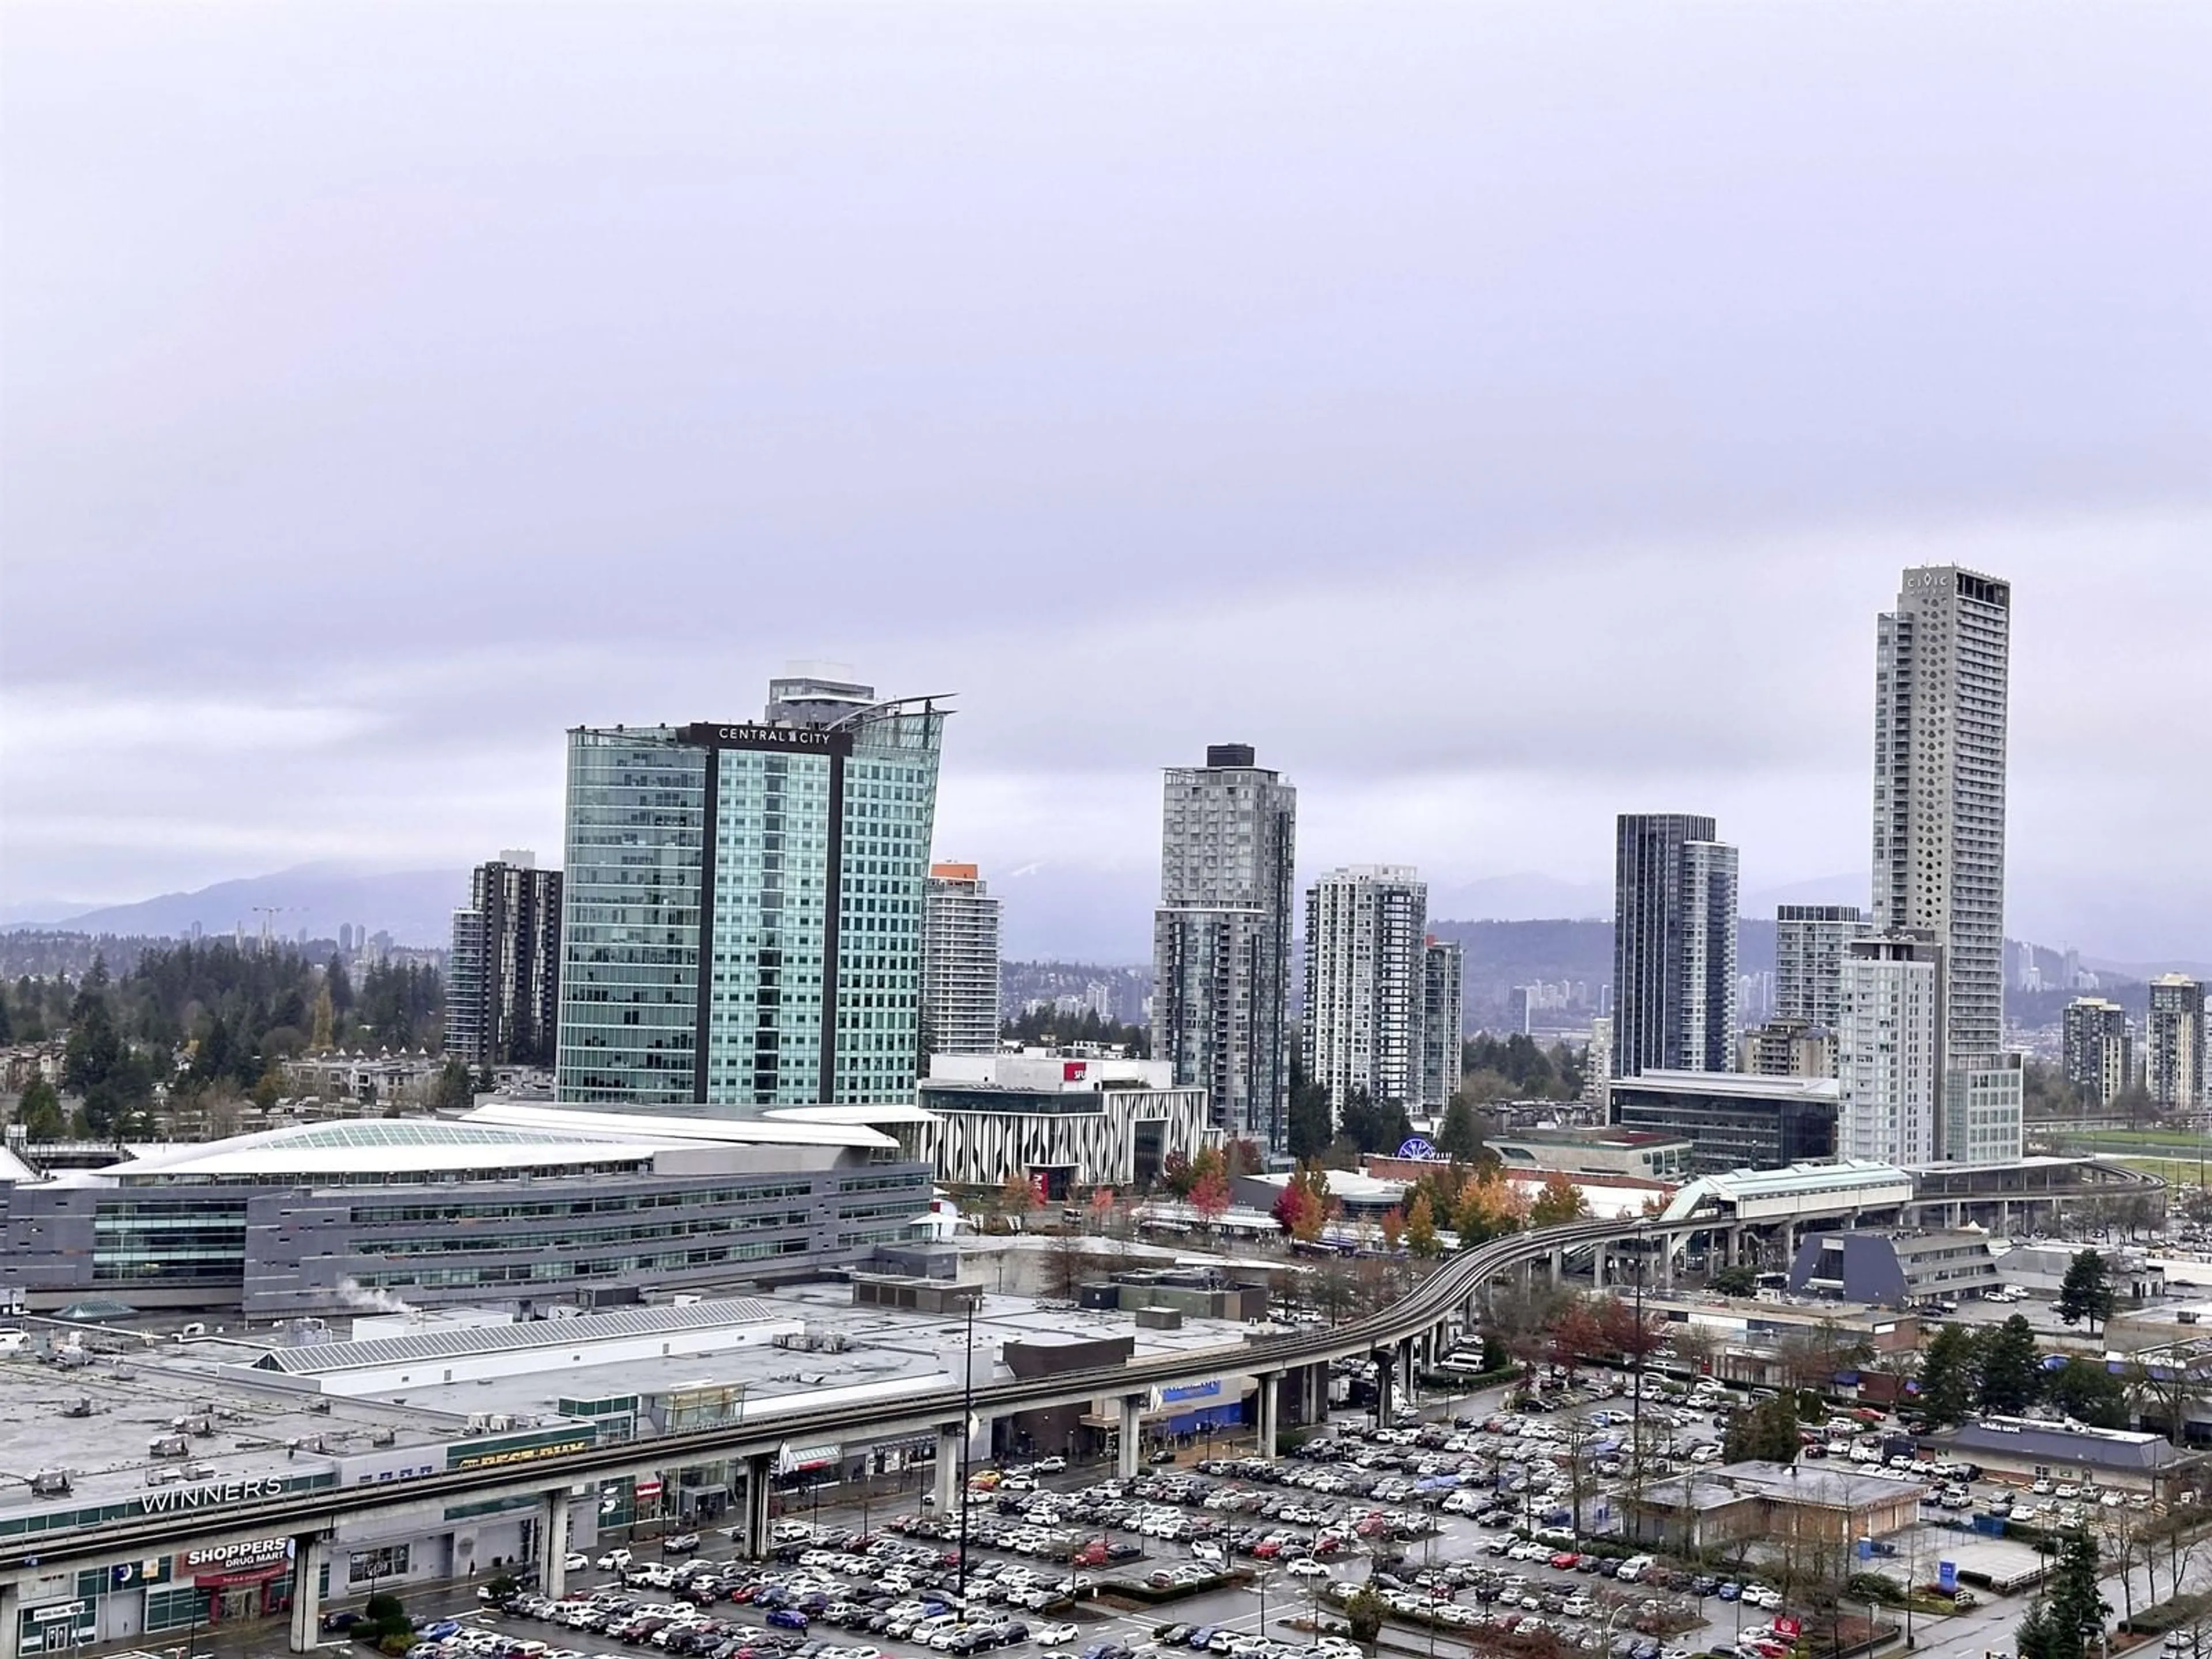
1941,677
959,963
1221,937
1366,928
1942,665
1889,1050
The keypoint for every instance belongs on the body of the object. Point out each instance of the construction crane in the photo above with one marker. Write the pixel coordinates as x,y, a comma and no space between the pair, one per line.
267,913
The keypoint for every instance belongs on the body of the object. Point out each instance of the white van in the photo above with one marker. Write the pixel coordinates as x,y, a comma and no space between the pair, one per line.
14,1339
1634,1568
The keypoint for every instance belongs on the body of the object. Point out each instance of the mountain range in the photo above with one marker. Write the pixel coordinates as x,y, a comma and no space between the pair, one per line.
415,906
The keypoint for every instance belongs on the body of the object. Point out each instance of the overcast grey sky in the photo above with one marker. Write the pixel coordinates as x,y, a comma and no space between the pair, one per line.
1503,416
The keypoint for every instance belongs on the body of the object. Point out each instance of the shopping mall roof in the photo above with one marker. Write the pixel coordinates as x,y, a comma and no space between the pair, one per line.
387,1145
529,1337
773,1130
493,1137
889,1111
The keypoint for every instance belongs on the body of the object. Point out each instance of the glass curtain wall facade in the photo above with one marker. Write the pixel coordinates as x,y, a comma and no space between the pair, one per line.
629,970
745,906
1673,945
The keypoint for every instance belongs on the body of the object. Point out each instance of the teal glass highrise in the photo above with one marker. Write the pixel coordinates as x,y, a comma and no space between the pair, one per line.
743,924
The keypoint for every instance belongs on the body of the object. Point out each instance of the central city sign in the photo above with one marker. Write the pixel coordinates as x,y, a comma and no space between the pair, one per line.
747,734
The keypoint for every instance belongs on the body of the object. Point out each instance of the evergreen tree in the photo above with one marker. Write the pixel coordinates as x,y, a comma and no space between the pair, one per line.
1949,1377
2038,1636
2088,1393
1308,1128
1376,1127
2087,1292
2072,1604
2011,1369
1457,1136
1767,1432
40,1111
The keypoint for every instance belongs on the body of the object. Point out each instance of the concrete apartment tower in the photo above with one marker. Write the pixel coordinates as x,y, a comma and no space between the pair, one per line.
1443,1021
1366,983
2098,1049
1941,672
1889,1050
1673,945
742,923
503,984
959,964
2173,1043
1221,937
1810,941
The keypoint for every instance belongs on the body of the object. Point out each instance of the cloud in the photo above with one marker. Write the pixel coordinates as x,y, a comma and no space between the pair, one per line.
1501,415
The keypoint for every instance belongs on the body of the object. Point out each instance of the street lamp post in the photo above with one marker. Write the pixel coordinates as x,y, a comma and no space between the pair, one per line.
1636,1408
967,1434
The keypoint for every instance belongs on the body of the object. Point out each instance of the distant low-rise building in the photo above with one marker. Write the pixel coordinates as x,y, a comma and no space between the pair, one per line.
1895,1270
1802,1502
2038,1266
1786,1045
1066,1123
2018,1450
1733,1122
1596,1152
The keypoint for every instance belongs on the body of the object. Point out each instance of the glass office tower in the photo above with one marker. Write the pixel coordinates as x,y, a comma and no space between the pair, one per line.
743,926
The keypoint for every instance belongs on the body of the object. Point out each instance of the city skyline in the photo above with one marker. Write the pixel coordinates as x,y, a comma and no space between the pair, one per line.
1148,453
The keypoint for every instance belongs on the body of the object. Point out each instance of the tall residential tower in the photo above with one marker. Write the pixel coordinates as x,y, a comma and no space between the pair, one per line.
2098,1049
1221,937
1889,1050
959,964
2173,1043
1444,992
1366,928
1941,672
1673,945
742,923
503,987
1809,944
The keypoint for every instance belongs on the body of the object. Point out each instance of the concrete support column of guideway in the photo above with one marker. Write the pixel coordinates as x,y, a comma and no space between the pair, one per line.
752,1527
552,1547
1270,1400
1133,1427
948,1466
1559,1260
1599,1258
309,1551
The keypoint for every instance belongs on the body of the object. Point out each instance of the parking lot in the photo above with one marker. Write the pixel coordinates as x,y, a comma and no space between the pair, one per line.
1505,1523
